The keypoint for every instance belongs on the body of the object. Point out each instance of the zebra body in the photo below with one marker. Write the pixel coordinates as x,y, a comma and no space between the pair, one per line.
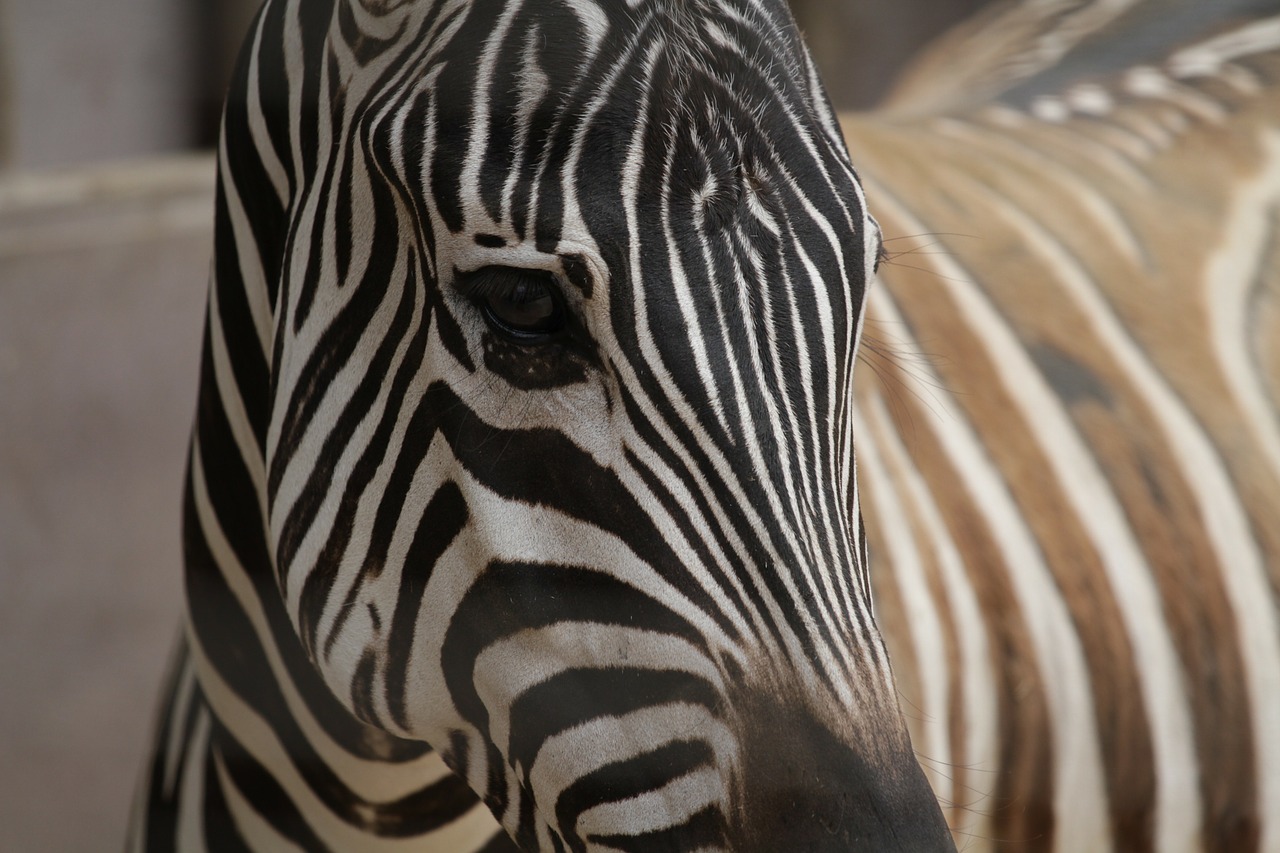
523,459
1071,476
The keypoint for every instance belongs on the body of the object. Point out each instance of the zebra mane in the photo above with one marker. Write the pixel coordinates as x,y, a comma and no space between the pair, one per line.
1081,56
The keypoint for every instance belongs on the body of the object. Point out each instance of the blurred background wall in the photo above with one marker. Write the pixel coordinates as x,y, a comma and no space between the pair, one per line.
102,275
84,81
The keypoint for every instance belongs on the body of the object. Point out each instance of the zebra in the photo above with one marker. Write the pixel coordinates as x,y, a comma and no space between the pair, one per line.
1072,467
1077,573
521,505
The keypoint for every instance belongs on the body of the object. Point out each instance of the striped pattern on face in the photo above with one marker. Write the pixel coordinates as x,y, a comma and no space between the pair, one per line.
525,432
1074,494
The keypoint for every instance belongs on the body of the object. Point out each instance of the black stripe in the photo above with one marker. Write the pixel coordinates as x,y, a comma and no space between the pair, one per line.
704,829
160,823
576,696
262,792
220,830
339,340
511,597
632,777
443,519
359,403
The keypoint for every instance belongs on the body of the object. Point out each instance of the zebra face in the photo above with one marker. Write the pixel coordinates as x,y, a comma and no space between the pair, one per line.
560,469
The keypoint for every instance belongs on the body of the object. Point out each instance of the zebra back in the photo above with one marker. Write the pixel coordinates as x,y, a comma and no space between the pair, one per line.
1071,463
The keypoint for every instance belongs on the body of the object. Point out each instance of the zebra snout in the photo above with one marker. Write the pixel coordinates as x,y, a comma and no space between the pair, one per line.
802,787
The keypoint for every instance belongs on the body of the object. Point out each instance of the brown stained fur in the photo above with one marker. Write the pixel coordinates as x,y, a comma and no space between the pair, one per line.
1020,794
1175,201
1124,438
1121,720
890,611
1265,309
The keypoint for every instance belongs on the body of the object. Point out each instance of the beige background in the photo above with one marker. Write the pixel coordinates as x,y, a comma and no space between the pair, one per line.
101,287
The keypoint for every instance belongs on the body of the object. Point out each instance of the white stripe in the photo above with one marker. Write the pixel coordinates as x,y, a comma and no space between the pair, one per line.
1252,599
631,193
979,749
570,755
533,89
923,624
1072,143
1078,779
293,63
257,833
1076,470
1229,274
475,215
296,479
233,405
183,692
260,741
258,123
1242,565
516,663
1208,57
190,821
684,291
374,781
1113,224
594,22
671,805
248,254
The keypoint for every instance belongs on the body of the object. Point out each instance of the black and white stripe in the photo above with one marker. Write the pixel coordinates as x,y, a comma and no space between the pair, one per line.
1079,566
612,573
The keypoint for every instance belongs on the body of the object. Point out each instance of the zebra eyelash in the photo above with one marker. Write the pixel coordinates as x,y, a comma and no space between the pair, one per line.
500,280
505,296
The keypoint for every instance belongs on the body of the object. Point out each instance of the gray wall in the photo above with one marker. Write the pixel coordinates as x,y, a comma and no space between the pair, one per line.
82,80
860,46
85,83
101,289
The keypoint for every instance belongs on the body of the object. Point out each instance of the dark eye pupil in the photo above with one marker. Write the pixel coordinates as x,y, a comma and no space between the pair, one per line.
527,306
521,305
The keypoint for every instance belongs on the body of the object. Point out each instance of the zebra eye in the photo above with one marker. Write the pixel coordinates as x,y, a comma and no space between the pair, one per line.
524,306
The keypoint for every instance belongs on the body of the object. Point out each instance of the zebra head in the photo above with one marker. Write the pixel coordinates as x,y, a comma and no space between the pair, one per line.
560,302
